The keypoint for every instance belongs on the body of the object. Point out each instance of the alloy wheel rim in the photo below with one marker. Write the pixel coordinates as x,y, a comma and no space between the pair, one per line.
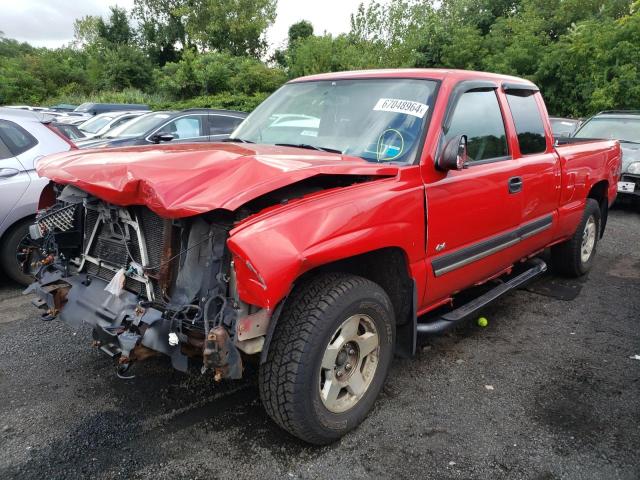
588,240
349,363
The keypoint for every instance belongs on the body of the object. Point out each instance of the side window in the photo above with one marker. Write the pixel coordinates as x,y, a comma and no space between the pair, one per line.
223,124
477,115
185,127
4,151
16,138
528,121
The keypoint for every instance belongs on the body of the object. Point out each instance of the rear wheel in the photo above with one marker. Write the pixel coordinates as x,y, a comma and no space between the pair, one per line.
574,257
17,252
329,357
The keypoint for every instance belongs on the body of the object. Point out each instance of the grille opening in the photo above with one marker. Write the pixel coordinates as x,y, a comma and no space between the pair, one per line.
112,250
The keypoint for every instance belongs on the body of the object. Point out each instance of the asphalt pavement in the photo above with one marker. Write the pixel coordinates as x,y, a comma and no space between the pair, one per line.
550,389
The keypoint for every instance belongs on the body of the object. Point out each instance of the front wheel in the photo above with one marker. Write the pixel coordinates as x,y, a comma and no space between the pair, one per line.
329,357
574,257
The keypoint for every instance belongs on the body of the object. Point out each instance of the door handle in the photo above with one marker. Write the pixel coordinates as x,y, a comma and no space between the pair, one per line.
515,184
8,172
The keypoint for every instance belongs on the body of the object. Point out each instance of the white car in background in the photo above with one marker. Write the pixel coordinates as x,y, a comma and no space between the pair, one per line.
103,122
25,137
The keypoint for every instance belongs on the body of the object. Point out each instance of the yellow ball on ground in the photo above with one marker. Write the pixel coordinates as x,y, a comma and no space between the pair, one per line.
483,322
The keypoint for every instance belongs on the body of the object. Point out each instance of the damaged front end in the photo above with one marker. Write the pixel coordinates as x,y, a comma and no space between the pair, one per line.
147,285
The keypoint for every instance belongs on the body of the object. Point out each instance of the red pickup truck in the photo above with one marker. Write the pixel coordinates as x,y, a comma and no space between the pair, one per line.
347,214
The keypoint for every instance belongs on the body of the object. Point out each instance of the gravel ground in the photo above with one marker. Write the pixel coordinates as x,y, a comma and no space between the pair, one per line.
548,390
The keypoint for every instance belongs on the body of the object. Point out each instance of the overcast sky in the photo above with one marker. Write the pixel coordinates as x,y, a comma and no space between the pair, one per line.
49,23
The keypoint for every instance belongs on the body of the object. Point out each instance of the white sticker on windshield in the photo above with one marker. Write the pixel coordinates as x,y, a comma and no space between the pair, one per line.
309,133
407,107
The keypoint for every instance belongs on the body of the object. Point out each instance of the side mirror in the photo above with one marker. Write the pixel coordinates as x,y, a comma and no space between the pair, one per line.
454,155
161,137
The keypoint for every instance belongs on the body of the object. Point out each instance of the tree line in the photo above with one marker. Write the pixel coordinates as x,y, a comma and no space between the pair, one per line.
583,54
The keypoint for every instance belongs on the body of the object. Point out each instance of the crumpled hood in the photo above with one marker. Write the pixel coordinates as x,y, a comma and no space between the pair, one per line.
187,179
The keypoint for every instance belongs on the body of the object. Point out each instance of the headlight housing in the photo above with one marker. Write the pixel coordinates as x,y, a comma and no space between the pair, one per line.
634,168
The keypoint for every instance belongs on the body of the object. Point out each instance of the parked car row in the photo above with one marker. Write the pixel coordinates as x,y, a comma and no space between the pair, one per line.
29,133
193,125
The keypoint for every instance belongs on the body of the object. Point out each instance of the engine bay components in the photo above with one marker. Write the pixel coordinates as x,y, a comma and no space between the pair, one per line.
146,285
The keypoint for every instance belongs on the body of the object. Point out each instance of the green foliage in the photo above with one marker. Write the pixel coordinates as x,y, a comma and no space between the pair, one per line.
234,26
212,73
115,31
595,66
330,54
162,31
299,31
230,101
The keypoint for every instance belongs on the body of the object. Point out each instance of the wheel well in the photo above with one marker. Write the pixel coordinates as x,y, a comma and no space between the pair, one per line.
599,193
388,267
14,224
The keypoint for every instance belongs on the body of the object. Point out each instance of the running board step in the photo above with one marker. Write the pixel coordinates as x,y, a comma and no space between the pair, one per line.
454,317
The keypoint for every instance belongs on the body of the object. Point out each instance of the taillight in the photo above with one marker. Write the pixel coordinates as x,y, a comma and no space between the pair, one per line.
55,130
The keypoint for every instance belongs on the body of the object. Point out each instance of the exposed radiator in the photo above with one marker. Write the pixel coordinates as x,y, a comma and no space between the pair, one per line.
111,249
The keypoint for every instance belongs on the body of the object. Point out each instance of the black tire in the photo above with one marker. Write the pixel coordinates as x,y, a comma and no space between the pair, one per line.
9,249
567,256
290,378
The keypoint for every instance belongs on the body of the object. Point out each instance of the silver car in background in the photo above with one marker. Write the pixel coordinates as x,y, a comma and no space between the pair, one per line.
25,137
103,122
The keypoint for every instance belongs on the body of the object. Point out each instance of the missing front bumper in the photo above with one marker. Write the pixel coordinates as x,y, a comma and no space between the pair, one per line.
88,303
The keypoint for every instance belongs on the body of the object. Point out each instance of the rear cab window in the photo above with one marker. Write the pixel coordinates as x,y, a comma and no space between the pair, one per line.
528,121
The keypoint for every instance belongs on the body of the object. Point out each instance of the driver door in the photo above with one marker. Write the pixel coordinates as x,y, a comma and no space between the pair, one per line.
474,213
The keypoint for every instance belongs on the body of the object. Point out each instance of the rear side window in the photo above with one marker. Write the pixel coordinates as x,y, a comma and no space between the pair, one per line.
16,138
4,151
477,115
528,121
223,124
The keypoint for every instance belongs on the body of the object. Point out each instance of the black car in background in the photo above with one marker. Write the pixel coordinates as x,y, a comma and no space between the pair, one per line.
91,108
193,125
63,107
624,126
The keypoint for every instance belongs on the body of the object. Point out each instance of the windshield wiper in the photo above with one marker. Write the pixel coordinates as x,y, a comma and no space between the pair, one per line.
309,147
239,140
629,141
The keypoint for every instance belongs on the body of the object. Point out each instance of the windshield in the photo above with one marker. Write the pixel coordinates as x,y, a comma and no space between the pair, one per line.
95,124
611,128
138,126
379,120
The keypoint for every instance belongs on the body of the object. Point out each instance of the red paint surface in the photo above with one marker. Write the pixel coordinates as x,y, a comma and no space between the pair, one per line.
273,248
